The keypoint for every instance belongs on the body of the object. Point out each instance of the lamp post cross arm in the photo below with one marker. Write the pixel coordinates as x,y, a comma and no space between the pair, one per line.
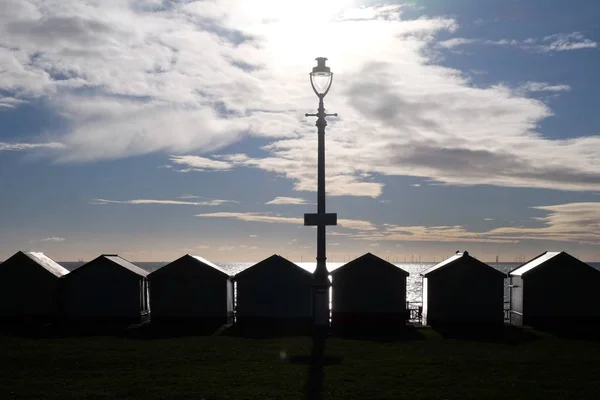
316,115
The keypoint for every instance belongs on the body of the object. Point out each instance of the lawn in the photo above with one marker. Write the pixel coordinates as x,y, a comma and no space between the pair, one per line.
222,367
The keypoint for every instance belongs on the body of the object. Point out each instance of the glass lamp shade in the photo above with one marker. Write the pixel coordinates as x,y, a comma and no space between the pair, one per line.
321,77
321,82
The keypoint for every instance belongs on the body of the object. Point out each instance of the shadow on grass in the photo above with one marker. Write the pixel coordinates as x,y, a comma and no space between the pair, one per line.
316,363
47,331
575,332
372,334
265,332
172,330
506,334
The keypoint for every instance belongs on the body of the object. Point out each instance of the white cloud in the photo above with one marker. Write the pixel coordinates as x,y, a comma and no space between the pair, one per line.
200,163
287,200
548,44
268,218
455,42
53,239
130,80
542,87
226,248
571,222
253,236
9,102
163,202
29,146
566,42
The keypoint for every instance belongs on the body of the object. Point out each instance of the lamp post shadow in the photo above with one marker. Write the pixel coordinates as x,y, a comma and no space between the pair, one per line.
317,360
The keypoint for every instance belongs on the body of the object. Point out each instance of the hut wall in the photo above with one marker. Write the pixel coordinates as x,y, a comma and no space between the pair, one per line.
464,294
101,291
516,300
274,292
189,291
561,290
27,290
369,289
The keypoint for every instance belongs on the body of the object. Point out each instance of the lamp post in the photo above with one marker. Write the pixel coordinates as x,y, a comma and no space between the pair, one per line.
320,80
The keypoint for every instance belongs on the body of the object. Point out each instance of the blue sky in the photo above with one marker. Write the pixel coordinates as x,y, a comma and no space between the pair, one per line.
157,128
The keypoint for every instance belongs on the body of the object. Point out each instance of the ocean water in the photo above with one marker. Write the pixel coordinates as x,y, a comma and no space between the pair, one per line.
414,283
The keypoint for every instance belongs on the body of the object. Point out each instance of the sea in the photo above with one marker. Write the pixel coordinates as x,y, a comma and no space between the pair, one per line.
414,282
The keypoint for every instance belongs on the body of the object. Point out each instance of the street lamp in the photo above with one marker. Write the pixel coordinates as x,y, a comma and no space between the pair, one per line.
320,80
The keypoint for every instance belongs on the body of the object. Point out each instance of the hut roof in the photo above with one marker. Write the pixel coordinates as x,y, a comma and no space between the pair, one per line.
274,258
115,259
369,257
459,256
196,259
125,264
541,260
47,263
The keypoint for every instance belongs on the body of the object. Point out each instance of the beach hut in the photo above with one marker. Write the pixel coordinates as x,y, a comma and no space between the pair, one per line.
462,291
28,287
108,289
191,290
275,293
554,289
368,292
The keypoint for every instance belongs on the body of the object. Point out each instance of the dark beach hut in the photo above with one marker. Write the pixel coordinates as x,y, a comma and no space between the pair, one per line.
108,289
462,291
275,293
368,292
554,289
191,291
28,287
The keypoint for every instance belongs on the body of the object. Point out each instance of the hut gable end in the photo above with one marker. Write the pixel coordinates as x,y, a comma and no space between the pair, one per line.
462,260
189,264
38,259
547,260
275,266
370,262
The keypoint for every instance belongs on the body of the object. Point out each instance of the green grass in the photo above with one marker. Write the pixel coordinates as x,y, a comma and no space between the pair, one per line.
222,367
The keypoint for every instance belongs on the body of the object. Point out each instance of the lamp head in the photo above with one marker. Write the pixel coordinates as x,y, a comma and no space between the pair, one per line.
321,77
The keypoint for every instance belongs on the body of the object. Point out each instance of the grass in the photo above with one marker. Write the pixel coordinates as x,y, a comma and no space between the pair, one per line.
221,367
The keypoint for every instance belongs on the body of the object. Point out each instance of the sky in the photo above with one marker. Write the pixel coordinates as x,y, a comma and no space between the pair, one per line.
156,128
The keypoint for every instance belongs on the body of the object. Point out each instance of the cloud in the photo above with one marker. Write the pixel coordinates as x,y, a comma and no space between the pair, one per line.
9,102
129,80
196,163
542,87
552,43
53,239
29,146
455,42
163,202
488,219
570,222
226,248
287,200
566,42
252,236
268,218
